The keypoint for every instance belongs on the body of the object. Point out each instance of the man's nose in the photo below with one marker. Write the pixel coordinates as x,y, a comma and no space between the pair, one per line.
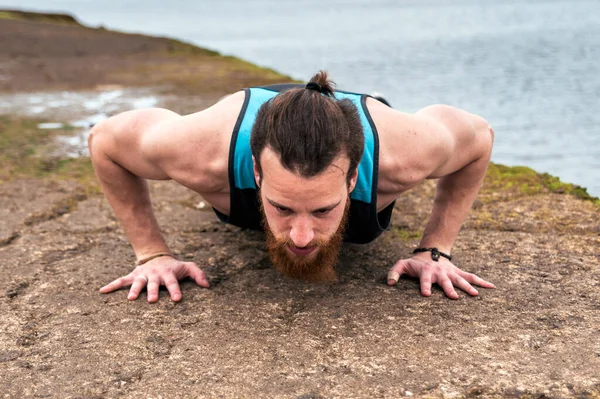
302,232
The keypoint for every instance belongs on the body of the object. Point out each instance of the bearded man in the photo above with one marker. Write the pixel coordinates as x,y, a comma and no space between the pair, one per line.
311,166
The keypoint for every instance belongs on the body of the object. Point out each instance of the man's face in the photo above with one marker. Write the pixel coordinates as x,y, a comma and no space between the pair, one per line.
304,219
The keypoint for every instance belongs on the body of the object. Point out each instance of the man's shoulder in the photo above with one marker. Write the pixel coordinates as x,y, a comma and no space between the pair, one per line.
408,146
194,149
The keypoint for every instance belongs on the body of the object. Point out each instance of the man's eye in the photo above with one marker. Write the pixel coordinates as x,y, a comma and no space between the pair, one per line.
322,212
281,209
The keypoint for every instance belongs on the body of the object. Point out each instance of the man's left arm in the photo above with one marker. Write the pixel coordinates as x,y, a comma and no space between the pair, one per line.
460,168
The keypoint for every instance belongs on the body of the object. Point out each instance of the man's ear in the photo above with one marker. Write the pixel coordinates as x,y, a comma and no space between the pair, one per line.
353,179
256,172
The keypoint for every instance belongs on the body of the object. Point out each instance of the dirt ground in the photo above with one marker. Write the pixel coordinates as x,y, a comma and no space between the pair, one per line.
255,333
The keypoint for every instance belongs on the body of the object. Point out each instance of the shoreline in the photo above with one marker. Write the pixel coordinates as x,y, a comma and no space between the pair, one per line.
44,55
171,88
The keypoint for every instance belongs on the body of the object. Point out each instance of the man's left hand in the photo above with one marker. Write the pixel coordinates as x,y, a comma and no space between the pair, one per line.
442,272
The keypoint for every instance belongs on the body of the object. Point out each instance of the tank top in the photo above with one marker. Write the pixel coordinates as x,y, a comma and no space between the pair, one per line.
364,222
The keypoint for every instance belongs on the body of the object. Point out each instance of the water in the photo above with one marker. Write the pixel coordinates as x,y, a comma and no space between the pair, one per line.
531,68
76,111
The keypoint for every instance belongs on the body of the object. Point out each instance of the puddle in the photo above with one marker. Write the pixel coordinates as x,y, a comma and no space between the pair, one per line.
76,112
51,125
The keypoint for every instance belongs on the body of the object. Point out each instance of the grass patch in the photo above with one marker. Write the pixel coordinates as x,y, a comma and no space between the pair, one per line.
503,182
178,47
190,74
405,234
62,19
27,151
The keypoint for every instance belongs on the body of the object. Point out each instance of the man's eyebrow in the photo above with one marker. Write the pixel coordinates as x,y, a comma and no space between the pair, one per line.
322,209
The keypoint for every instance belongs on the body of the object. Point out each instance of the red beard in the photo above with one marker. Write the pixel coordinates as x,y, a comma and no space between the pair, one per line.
312,267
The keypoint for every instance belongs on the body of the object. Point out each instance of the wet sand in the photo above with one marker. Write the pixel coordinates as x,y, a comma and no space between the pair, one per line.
256,333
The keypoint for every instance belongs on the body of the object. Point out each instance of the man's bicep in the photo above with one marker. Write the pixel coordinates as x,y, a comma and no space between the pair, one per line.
132,140
467,137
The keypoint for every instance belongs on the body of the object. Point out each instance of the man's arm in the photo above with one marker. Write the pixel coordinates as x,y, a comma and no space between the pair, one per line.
122,167
460,175
125,151
453,146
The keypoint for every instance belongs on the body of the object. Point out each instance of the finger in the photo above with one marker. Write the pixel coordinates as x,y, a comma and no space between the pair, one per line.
447,286
198,275
395,272
473,279
393,277
138,285
426,283
118,283
153,284
173,287
464,285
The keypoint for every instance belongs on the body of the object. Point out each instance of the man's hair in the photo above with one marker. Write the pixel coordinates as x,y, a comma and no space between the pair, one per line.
308,129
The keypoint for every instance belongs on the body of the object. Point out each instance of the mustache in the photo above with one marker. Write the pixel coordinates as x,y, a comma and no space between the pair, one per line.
317,242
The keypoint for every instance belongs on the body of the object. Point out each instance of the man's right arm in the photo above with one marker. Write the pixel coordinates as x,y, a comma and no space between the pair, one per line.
125,152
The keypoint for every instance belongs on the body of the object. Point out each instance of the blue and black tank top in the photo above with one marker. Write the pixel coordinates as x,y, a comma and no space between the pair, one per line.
364,223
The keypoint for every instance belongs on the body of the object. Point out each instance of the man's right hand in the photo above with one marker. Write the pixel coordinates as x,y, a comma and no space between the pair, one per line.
164,270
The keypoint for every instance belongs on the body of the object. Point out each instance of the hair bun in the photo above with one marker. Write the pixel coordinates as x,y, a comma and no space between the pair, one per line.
321,83
314,86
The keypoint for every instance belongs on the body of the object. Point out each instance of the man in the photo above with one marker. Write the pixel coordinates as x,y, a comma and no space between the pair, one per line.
311,166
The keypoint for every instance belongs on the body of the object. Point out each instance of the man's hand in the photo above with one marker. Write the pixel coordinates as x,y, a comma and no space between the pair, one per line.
164,270
442,272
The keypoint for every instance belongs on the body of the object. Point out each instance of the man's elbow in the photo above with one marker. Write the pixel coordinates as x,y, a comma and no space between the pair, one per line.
484,133
100,142
489,139
96,136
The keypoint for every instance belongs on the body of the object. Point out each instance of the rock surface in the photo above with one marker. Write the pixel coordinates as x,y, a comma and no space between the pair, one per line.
256,333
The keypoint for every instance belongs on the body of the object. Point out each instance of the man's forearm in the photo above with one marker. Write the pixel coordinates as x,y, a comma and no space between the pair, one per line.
454,197
129,197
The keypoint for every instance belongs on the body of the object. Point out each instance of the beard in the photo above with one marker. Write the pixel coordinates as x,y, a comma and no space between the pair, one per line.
319,266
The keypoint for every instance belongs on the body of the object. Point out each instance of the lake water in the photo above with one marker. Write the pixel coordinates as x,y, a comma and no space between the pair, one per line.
531,68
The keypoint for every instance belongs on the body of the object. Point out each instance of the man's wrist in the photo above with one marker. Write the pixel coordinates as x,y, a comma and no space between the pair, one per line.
149,257
439,244
435,253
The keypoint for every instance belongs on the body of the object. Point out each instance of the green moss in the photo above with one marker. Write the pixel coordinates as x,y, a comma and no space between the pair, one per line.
554,184
27,151
405,234
177,47
63,19
519,179
269,73
502,182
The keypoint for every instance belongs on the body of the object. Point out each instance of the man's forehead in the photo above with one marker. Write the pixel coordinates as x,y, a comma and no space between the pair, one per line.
271,161
296,190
